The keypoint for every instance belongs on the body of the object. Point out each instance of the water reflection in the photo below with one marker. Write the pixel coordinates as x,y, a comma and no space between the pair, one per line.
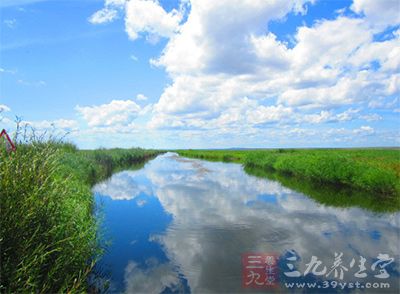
181,225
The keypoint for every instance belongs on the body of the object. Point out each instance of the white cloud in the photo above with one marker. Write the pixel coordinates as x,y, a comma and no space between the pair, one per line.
103,16
115,3
148,16
141,17
328,116
384,103
39,83
59,124
379,14
321,117
65,124
364,130
328,43
237,22
371,117
386,53
10,23
109,13
141,97
4,108
320,72
117,112
268,114
229,72
8,71
348,115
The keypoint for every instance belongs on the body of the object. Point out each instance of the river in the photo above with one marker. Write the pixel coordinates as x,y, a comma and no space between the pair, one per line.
181,225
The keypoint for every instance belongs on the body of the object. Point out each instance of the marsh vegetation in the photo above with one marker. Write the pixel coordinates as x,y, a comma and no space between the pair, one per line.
48,232
368,178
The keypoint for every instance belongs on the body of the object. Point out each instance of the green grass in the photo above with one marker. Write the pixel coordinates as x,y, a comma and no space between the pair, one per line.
215,155
373,171
330,195
48,232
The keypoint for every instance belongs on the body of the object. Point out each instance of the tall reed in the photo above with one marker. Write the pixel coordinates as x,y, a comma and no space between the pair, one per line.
48,232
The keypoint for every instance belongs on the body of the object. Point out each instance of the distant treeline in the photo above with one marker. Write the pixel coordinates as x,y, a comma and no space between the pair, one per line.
48,233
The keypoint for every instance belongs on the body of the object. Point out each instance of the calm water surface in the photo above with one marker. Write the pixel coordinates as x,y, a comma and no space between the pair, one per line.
181,225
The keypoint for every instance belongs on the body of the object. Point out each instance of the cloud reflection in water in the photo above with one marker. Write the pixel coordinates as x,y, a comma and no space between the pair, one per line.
219,212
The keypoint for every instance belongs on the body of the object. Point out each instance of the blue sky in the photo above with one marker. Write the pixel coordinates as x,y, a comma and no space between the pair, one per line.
202,74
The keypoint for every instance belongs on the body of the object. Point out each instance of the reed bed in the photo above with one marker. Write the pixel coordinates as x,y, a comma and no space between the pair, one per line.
48,231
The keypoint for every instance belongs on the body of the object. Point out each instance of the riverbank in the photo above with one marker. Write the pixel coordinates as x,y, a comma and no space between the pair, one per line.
375,171
48,233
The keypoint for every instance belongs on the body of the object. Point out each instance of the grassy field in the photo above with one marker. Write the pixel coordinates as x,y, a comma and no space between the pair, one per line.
48,232
373,171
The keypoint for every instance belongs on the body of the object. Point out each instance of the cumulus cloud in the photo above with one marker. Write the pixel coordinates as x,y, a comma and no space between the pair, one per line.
4,120
371,117
268,114
10,23
109,13
324,70
117,112
141,16
330,117
379,14
141,97
59,124
148,16
103,16
228,70
4,108
237,21
365,130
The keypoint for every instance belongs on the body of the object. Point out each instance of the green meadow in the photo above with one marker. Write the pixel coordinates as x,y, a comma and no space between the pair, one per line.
48,234
368,178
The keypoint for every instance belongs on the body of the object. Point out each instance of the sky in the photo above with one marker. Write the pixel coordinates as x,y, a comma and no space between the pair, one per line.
203,73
